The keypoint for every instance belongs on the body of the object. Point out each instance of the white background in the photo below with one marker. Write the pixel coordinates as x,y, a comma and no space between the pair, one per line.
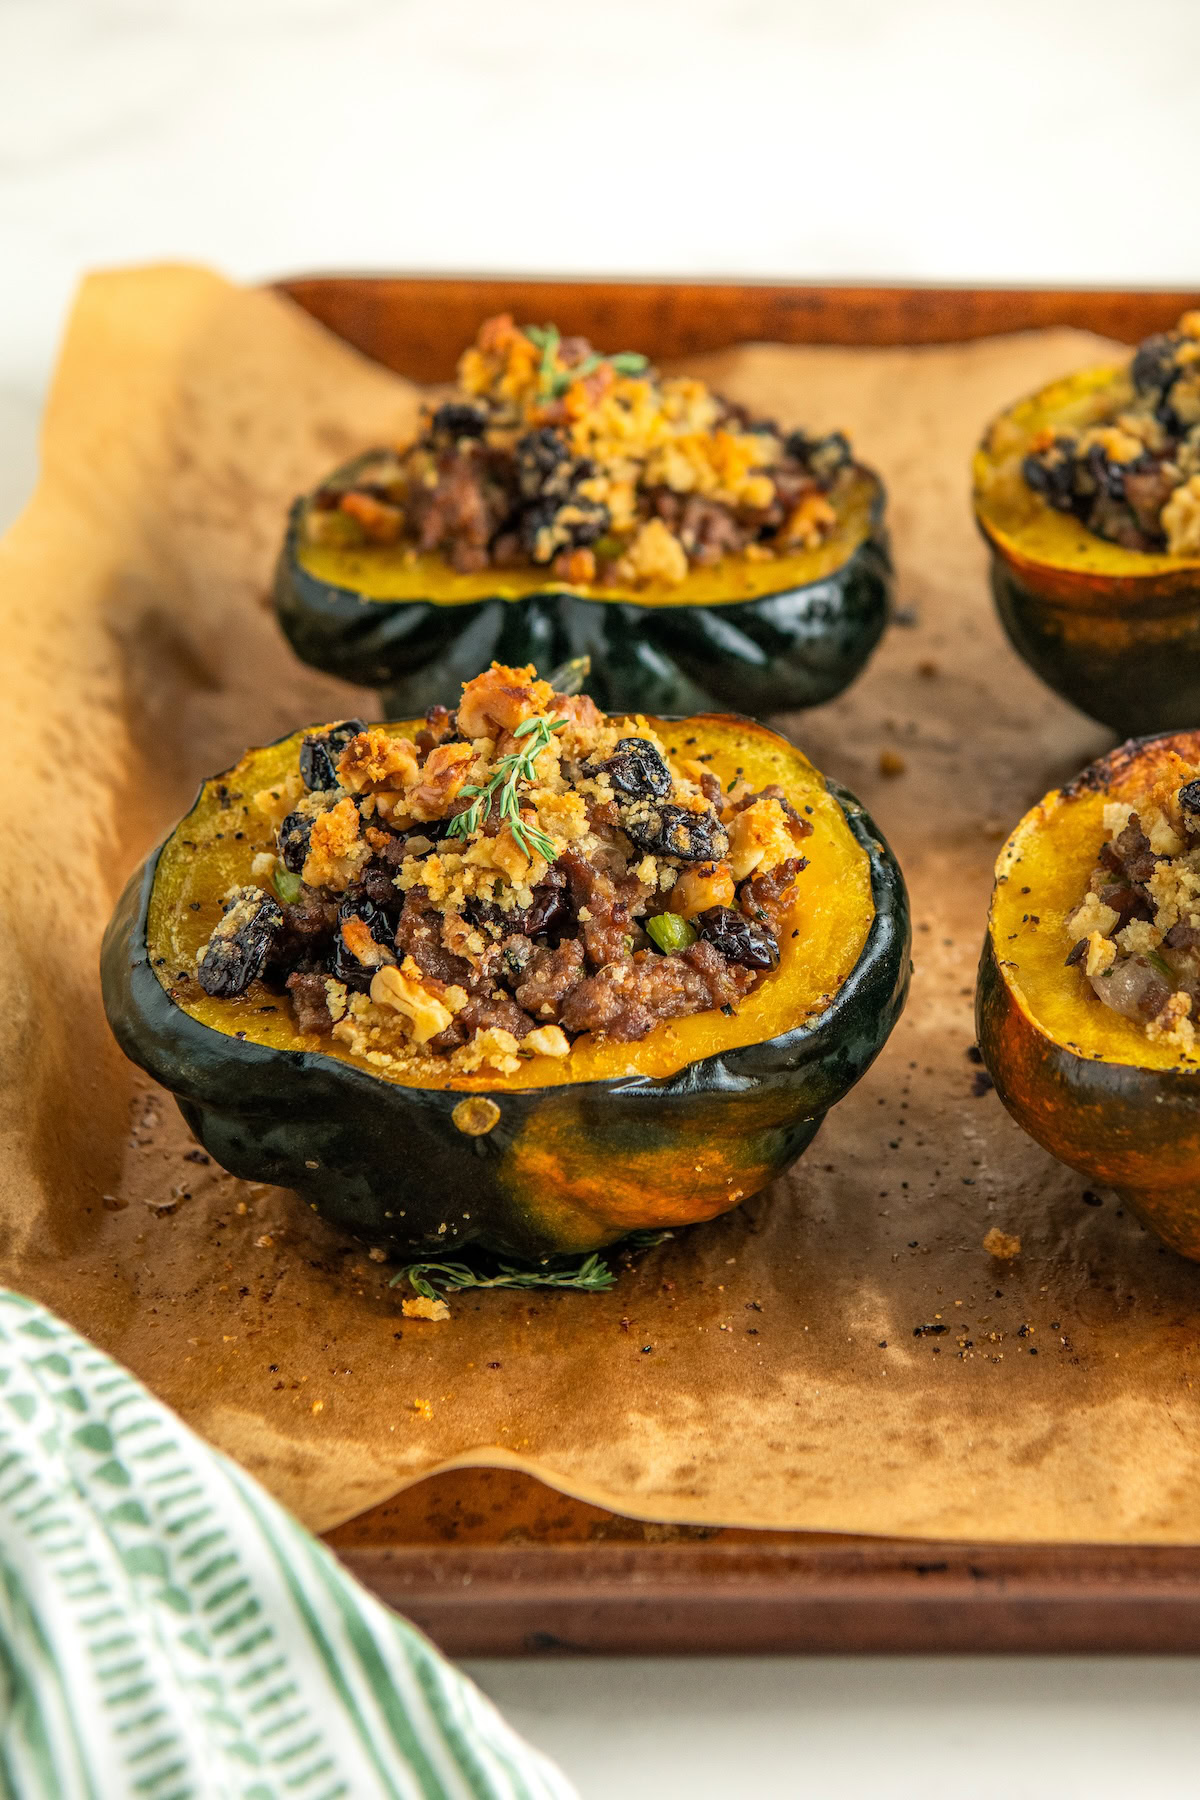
1027,141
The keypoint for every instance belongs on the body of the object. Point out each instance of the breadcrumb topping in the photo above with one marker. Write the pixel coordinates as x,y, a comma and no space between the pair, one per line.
1137,929
514,876
594,466
1134,478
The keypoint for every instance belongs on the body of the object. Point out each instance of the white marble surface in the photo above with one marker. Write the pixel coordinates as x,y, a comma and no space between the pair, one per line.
878,1728
968,140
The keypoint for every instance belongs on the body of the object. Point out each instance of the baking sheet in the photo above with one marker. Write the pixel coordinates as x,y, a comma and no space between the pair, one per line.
778,1368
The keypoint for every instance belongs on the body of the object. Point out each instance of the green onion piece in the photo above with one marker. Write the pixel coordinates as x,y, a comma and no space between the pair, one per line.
670,932
629,362
287,885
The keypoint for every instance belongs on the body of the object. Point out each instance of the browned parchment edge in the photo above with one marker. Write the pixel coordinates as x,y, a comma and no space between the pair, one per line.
537,1572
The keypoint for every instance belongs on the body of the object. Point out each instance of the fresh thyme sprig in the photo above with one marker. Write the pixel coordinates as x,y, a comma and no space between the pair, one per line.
588,1275
501,790
553,382
592,1276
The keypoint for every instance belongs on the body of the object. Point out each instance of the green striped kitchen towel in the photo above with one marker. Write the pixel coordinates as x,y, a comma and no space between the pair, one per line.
168,1632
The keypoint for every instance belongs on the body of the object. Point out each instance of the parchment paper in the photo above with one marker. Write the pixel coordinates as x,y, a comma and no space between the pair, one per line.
764,1370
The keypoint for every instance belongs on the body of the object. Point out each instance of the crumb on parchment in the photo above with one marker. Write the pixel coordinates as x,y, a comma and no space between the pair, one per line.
1003,1245
422,1308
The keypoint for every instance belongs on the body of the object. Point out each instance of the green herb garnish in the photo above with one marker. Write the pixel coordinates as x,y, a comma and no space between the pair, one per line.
591,1275
586,1274
670,932
288,886
553,383
547,340
501,791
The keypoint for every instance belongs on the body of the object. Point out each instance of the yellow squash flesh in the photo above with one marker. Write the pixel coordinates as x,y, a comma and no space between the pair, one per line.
214,846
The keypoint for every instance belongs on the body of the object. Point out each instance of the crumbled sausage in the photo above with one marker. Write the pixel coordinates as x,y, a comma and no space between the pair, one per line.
310,1004
549,978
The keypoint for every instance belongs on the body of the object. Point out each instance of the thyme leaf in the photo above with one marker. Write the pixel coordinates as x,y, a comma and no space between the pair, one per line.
590,1275
501,791
549,341
554,382
585,1274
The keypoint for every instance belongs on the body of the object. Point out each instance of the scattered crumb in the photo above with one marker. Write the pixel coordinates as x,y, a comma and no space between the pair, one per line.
422,1407
265,1242
891,763
421,1308
377,1255
1002,1245
318,1406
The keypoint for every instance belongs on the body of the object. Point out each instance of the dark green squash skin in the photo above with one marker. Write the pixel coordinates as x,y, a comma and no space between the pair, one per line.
775,653
1131,1129
387,1162
1132,664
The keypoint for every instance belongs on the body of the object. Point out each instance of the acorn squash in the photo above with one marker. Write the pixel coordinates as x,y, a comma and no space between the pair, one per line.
1113,630
760,637
568,1155
1083,1080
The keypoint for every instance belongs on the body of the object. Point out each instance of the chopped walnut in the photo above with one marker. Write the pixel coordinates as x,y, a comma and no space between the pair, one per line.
446,769
760,837
402,990
376,759
710,884
501,699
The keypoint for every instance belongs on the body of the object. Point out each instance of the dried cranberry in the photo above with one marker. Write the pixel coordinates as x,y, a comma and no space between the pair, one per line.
544,464
237,951
549,525
637,769
457,420
738,938
674,831
1154,366
343,965
1051,473
825,456
293,840
548,915
320,751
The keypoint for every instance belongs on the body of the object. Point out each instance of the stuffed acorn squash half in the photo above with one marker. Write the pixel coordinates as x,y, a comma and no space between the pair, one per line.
1088,494
523,975
1089,986
565,503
